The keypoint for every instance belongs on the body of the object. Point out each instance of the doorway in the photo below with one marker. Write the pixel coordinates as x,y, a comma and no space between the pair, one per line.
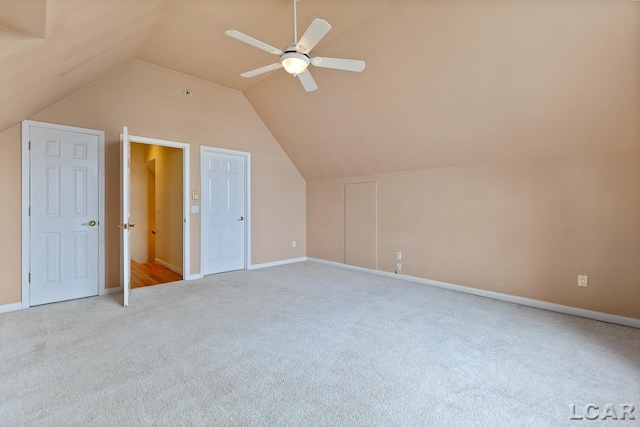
156,223
127,226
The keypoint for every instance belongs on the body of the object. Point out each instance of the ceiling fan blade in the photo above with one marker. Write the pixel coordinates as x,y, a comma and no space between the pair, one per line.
262,70
307,81
339,64
253,42
316,31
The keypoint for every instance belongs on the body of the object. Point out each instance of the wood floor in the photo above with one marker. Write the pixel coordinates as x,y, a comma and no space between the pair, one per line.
150,274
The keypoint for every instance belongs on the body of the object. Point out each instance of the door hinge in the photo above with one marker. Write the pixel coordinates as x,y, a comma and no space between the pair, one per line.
29,210
29,277
29,145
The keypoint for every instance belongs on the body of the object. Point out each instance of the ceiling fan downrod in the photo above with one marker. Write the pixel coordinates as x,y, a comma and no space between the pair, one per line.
295,22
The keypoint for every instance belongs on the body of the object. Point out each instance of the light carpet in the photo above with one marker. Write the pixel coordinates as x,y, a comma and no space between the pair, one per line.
308,344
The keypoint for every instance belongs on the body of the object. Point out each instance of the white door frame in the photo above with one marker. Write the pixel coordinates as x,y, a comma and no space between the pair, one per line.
26,174
186,210
247,196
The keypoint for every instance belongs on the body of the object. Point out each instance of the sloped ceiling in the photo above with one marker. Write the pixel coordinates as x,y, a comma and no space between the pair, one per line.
459,82
191,36
447,82
85,40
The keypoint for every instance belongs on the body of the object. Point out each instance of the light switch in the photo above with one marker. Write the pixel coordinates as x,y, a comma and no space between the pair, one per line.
195,195
195,209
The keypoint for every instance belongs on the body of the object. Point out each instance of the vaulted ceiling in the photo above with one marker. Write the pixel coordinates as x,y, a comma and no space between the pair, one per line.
190,38
447,82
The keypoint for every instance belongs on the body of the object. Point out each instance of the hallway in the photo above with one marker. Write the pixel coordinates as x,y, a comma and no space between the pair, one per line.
151,273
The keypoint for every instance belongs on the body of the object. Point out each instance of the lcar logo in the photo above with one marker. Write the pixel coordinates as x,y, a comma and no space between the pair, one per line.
609,411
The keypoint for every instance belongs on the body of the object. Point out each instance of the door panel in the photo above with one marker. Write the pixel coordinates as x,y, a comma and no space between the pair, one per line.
223,212
64,189
361,232
79,258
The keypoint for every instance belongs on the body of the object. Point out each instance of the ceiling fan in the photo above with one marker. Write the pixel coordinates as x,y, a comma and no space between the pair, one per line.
295,58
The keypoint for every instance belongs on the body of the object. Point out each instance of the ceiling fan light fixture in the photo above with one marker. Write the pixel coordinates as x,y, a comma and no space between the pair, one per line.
294,63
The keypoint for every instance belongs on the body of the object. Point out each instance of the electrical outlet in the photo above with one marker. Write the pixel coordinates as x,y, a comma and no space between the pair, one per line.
293,244
398,268
398,256
582,281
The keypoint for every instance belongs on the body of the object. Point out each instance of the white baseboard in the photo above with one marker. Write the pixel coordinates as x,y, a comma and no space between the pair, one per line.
108,291
10,307
276,263
558,308
171,267
195,277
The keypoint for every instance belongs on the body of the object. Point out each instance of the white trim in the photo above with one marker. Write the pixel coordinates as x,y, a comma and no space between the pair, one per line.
186,192
26,173
11,307
102,221
247,195
276,263
558,308
109,291
26,197
195,277
247,248
168,265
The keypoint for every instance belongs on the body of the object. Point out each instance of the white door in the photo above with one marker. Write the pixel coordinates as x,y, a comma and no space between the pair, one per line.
223,212
125,191
64,201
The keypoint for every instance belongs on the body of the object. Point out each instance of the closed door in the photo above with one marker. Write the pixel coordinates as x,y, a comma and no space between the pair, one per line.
223,212
64,190
361,228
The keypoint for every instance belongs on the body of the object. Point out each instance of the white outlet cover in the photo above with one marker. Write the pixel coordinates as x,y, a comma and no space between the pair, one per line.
293,244
582,281
398,255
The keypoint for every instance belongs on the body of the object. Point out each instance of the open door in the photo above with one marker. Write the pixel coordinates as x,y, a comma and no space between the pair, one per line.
126,213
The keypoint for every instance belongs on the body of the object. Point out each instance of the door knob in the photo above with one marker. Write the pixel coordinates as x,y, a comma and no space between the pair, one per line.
90,223
123,226
241,218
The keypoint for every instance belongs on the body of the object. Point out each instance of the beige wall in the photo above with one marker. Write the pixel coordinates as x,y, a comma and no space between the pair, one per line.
525,228
150,101
10,213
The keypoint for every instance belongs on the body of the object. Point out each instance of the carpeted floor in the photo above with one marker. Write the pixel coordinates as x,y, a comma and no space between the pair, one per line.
308,344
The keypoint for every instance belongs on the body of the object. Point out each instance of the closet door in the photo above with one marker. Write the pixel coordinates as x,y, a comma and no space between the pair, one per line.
361,225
